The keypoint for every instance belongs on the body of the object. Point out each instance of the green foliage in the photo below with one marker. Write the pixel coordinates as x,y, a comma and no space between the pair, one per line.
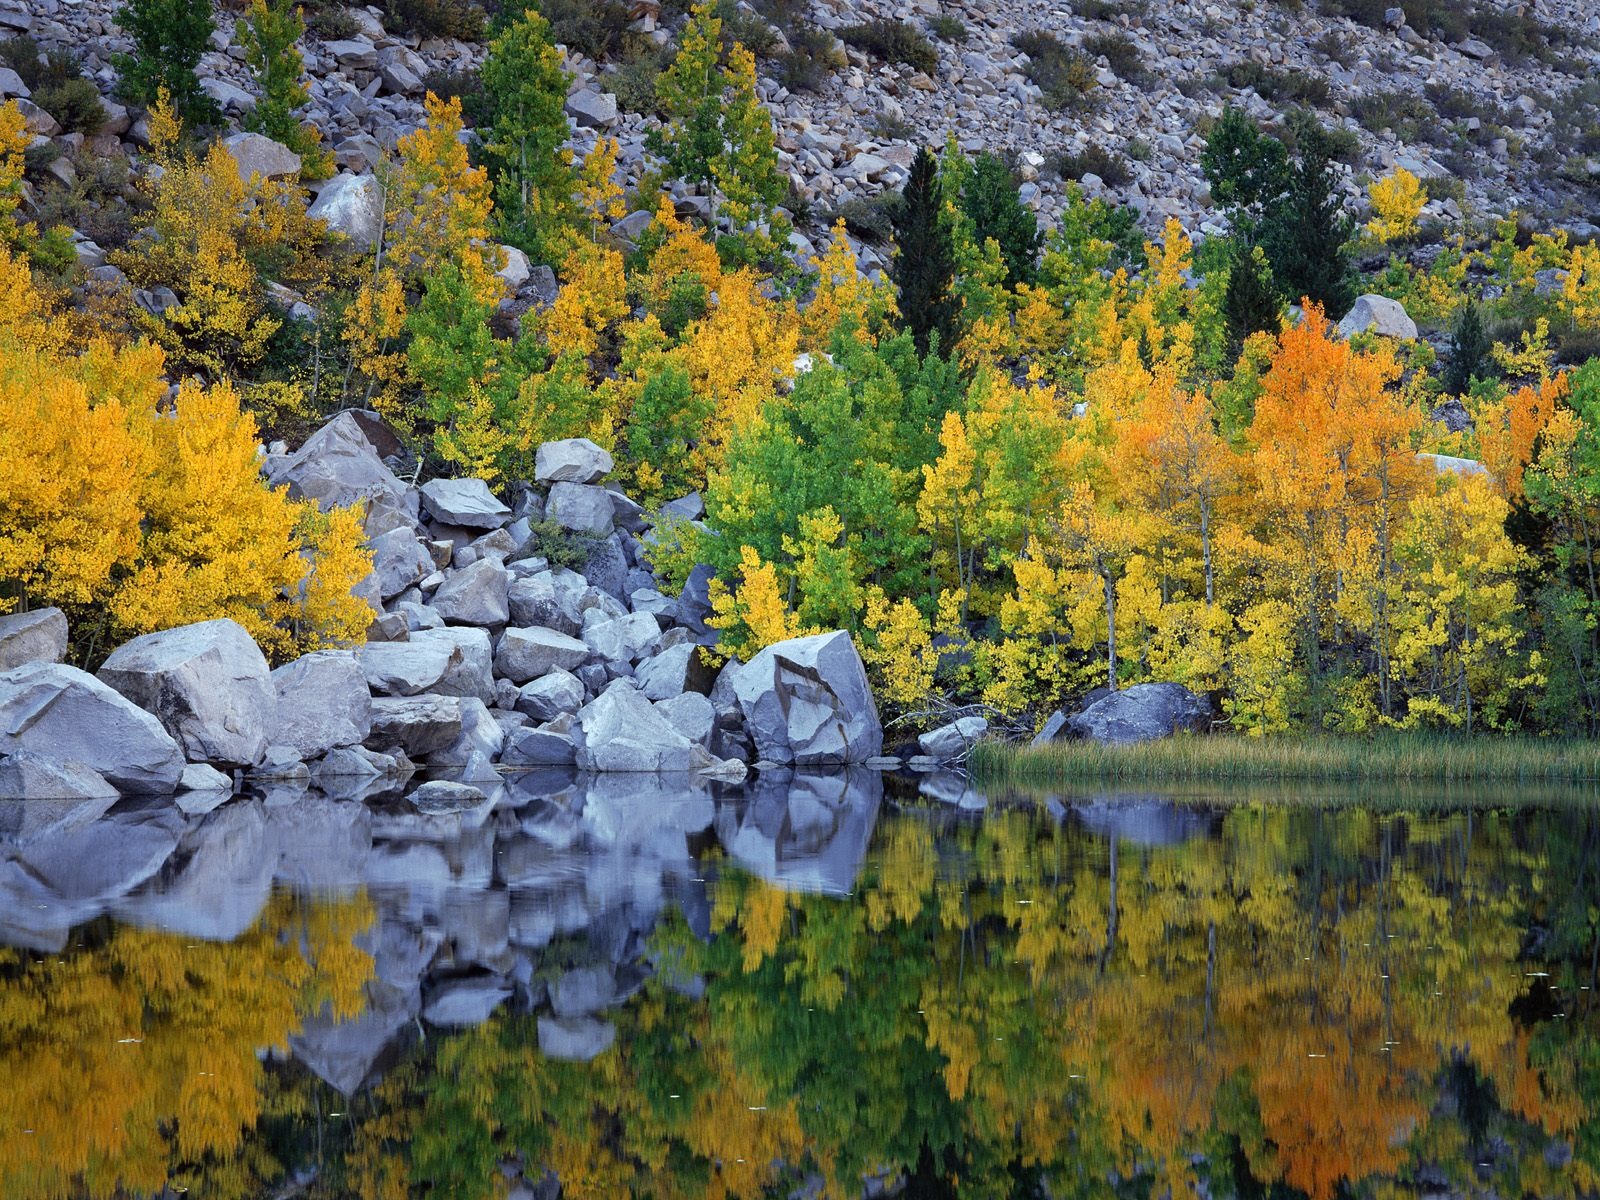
524,129
990,201
1247,170
268,33
1094,159
1065,75
690,94
169,36
1470,344
948,27
1252,302
462,19
557,545
75,104
924,264
1307,235
596,28
665,422
811,60
1120,53
893,42
1277,87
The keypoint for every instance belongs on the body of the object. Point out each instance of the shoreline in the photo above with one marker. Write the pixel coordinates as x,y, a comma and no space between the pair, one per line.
1390,757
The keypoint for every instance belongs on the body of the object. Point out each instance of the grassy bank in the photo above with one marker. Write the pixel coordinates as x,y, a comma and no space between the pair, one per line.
1416,758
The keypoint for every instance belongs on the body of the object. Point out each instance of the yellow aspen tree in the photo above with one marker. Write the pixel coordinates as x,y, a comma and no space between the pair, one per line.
1397,201
753,614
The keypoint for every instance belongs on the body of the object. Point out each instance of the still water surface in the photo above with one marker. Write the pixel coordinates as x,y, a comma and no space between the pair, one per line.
812,988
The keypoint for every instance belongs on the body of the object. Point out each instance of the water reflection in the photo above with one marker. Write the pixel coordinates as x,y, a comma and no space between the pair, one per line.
804,987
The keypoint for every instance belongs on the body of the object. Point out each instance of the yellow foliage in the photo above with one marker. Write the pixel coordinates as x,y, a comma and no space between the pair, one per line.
1581,289
753,615
594,299
14,139
899,650
1397,202
844,297
736,353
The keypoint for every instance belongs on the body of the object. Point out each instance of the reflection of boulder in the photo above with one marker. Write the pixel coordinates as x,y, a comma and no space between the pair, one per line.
33,820
469,1001
109,857
1142,818
321,843
218,881
807,833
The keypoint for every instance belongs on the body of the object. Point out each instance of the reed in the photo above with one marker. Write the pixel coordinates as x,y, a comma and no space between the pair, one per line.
1399,757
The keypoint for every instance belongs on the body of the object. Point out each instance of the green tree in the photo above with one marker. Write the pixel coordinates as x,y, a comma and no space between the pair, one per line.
746,168
924,263
990,201
690,95
169,36
1469,352
268,35
525,90
1306,233
1248,171
1252,301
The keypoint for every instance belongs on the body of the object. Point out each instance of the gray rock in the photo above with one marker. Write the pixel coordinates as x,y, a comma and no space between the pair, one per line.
439,796
255,154
670,673
406,668
208,684
548,697
806,701
1453,415
337,467
399,560
1441,463
1052,729
575,1039
536,602
593,110
465,502
690,714
550,745
517,268
26,775
419,725
953,740
203,777
580,507
36,636
462,1002
620,730
526,654
356,762
684,508
11,84
323,702
356,52
479,744
475,595
583,991
353,206
1380,315
574,460
694,602
63,713
624,639
1142,713
401,70
606,568
470,672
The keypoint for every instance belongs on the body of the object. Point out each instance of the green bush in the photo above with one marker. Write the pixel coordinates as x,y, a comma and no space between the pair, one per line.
813,56
461,19
1066,76
1110,168
74,103
634,83
1104,10
1410,117
169,36
1278,87
331,22
1119,50
893,42
596,28
870,220
948,28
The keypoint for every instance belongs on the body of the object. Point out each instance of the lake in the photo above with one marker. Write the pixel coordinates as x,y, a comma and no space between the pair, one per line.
824,986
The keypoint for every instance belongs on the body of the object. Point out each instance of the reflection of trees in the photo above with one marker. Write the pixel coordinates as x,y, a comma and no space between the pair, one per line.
132,1061
1303,1003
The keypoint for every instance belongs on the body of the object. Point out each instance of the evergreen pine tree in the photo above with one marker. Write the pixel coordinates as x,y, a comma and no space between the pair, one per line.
1469,352
525,91
1306,234
924,262
1252,302
1248,172
169,36
990,201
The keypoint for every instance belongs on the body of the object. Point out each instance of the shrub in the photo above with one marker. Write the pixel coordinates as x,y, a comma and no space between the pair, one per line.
448,84
812,57
1110,168
1104,10
331,22
1065,75
169,36
634,83
1278,87
870,220
1405,114
948,28
893,42
1120,52
74,103
461,19
597,28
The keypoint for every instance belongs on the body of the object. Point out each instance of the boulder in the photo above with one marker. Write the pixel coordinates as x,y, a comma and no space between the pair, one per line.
953,740
583,991
1142,713
351,205
550,745
203,777
475,595
594,110
36,636
516,269
399,561
68,715
26,775
619,730
537,602
256,154
440,796
672,672
208,684
470,673
356,762
580,507
574,460
691,714
419,725
806,701
339,466
1442,463
548,697
1052,729
465,502
526,654
406,668
323,702
1380,315
624,639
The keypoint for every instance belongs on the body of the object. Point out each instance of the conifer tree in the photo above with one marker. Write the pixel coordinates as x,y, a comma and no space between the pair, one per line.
1469,351
525,88
268,35
1252,302
924,262
1306,234
169,36
990,201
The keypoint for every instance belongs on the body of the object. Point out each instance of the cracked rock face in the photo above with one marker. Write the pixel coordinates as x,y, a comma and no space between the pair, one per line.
806,702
